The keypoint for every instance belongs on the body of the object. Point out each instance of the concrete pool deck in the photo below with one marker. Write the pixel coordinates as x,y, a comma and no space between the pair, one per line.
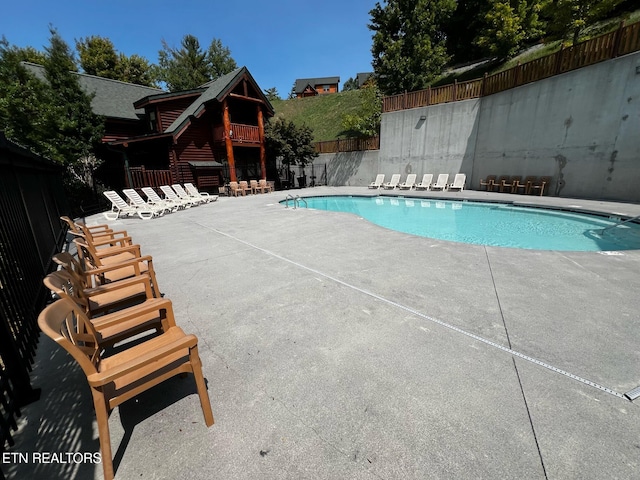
336,349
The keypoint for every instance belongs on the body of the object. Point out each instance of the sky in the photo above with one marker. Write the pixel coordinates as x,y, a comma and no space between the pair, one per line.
278,41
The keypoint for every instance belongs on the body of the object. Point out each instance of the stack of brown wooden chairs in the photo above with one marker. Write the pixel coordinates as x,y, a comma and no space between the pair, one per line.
109,295
515,184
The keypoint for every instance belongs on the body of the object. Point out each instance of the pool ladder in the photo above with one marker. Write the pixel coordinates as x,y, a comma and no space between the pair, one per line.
296,201
619,222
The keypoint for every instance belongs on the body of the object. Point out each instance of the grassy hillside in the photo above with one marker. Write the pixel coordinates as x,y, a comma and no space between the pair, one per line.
322,113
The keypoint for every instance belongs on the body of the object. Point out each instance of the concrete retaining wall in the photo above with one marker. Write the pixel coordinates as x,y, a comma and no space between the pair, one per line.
581,128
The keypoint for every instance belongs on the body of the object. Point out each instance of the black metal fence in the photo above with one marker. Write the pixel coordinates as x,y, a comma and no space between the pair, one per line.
31,202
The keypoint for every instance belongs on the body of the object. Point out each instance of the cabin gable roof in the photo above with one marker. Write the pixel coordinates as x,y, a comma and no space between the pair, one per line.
111,98
216,90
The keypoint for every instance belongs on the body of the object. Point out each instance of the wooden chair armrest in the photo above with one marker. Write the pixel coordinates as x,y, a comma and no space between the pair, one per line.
120,284
150,306
134,262
135,249
101,241
102,378
99,228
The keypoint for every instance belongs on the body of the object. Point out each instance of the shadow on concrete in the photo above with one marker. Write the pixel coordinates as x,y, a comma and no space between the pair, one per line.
61,423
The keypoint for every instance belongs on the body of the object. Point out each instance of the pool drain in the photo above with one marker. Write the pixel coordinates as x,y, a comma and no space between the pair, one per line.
633,394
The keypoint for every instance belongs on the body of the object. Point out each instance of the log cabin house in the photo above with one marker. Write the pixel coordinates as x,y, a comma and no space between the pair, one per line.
310,87
208,136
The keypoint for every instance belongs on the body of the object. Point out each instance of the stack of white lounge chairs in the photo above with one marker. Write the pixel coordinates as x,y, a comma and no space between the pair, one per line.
175,197
426,183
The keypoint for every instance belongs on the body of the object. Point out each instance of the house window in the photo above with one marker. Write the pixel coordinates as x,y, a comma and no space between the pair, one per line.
153,121
326,88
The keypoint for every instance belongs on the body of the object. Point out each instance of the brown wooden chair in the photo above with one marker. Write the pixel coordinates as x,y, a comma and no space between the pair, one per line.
103,298
501,183
244,186
115,379
488,183
235,189
510,184
76,228
91,276
539,185
525,185
266,188
255,186
118,265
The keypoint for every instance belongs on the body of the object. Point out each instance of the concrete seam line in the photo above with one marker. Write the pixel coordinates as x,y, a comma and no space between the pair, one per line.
427,317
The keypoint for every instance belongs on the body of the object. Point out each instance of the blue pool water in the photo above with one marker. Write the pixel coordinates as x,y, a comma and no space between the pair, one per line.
502,225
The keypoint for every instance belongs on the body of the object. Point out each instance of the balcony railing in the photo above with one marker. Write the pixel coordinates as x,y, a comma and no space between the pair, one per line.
239,134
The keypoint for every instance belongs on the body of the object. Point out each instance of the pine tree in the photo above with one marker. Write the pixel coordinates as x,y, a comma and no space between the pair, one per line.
409,48
190,67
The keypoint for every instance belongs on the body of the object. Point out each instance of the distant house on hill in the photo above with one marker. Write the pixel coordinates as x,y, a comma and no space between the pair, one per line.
310,87
362,78
207,136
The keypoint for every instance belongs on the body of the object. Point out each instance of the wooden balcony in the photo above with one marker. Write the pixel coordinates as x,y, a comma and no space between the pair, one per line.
240,134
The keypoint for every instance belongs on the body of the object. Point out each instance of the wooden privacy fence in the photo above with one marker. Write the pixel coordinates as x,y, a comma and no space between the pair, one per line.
31,203
624,40
348,145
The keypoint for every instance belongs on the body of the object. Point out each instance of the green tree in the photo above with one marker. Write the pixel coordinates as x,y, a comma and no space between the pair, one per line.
508,25
53,118
26,103
97,56
219,59
135,69
409,48
272,93
463,27
292,143
350,84
189,66
366,121
74,131
568,18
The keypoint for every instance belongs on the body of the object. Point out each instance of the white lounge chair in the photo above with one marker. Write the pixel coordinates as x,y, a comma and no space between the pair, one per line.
441,183
137,201
194,192
458,181
169,194
120,207
154,199
425,184
181,192
393,183
377,183
409,182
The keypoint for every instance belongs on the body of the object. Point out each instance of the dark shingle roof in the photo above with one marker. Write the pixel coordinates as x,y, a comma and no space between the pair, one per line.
113,98
215,90
362,78
301,83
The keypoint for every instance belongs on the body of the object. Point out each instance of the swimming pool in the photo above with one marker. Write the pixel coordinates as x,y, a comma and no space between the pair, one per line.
494,224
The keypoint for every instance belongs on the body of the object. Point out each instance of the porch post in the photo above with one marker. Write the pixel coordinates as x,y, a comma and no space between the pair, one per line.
263,152
228,142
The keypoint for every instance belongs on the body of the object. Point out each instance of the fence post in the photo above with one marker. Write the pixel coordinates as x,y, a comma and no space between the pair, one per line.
428,95
482,85
616,40
559,59
516,75
455,90
404,100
